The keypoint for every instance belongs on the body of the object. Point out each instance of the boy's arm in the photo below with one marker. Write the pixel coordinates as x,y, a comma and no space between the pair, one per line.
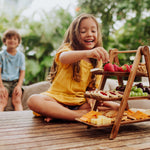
21,78
1,82
3,90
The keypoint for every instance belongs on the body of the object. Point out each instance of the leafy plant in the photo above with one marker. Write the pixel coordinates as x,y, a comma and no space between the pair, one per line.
39,40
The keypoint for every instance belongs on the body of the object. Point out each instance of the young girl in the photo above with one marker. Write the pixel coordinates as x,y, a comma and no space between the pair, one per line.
70,74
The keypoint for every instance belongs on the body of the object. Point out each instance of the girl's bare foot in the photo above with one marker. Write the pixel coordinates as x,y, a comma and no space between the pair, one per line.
47,119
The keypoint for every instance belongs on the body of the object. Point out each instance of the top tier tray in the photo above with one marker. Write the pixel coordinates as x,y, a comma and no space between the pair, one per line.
116,73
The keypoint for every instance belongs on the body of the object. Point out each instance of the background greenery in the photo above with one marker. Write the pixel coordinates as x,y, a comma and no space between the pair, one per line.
40,39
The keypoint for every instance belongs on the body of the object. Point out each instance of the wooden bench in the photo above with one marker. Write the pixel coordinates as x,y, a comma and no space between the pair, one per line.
21,130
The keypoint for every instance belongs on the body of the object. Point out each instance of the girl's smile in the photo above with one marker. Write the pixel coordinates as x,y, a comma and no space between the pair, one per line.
88,33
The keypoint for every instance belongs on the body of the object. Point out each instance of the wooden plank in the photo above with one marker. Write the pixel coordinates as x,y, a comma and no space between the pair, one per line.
20,130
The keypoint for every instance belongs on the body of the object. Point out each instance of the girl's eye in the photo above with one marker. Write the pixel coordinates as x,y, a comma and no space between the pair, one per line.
82,31
93,31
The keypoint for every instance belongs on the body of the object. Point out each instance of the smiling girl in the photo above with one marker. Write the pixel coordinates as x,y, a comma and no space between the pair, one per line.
70,74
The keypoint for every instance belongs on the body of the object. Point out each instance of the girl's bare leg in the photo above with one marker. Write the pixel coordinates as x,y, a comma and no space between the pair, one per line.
47,106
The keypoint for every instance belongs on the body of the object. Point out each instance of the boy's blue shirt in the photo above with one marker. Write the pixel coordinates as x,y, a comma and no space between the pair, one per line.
11,65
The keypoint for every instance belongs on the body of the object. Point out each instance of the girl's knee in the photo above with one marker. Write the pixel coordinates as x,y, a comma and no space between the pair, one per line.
32,100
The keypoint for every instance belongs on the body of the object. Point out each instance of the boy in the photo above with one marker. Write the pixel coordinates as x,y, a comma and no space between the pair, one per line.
12,71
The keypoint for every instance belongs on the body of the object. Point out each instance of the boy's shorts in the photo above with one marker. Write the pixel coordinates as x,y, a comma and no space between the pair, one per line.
10,85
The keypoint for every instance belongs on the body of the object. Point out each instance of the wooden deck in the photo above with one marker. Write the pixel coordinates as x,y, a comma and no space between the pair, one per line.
21,130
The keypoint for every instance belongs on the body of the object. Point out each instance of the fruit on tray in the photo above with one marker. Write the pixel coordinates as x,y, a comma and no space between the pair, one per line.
125,68
109,67
144,88
135,91
114,67
120,88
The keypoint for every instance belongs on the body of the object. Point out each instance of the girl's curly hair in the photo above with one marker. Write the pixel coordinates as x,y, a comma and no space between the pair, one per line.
72,37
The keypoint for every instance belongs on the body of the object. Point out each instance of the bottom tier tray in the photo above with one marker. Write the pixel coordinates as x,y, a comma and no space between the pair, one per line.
109,125
107,117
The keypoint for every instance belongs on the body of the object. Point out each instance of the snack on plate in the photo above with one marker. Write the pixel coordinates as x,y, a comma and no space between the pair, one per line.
104,94
98,93
136,115
114,94
88,116
111,113
96,118
142,68
139,115
101,120
119,93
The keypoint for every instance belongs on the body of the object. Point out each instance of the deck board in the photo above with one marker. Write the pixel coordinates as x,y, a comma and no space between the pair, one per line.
21,130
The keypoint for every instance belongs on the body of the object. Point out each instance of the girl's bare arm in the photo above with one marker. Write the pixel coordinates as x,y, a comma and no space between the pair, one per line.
74,56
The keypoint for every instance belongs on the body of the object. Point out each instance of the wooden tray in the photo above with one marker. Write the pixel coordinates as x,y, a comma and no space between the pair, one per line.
99,98
116,73
122,122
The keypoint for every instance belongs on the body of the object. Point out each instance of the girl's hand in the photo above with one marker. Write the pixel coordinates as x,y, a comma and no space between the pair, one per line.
99,53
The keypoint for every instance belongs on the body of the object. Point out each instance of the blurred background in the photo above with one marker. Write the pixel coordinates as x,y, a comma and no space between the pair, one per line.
42,24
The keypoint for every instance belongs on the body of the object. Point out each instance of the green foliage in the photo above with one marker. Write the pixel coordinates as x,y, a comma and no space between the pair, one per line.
39,39
134,32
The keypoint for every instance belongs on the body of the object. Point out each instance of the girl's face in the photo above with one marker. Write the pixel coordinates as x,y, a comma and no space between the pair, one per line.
12,42
88,33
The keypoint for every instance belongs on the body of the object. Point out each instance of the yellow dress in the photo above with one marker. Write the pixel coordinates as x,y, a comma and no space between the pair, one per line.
66,90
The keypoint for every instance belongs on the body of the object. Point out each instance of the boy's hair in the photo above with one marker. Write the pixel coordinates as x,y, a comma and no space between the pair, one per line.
9,33
72,36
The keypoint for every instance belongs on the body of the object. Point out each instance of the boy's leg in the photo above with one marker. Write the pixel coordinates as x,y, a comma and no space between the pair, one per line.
3,102
16,101
4,97
47,106
16,97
